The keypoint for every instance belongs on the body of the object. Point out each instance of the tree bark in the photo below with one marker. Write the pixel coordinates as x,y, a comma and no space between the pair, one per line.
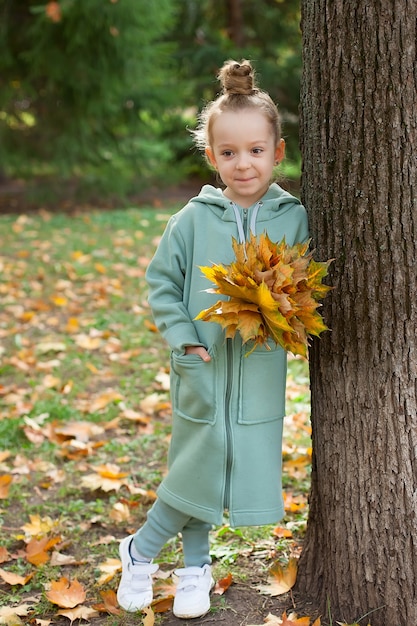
359,144
235,23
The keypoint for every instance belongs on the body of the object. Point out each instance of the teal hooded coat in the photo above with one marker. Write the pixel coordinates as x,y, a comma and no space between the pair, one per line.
225,450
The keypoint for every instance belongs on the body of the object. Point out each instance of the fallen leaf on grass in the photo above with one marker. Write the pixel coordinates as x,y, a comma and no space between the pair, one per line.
14,579
223,585
120,512
4,555
149,619
163,604
88,343
80,430
101,401
294,504
10,614
109,568
287,620
39,526
66,594
58,559
50,346
37,550
109,604
4,454
108,477
5,482
80,612
280,580
293,620
164,586
282,533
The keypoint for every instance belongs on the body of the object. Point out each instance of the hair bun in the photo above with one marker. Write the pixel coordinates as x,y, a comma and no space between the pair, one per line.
237,78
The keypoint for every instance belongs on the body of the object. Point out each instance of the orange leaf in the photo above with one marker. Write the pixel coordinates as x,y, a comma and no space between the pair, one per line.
293,620
100,268
282,533
109,604
37,551
223,584
72,326
163,604
4,555
281,579
14,579
5,482
60,301
66,594
150,326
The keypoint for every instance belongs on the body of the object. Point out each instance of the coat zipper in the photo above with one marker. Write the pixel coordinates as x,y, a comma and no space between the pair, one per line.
228,427
229,382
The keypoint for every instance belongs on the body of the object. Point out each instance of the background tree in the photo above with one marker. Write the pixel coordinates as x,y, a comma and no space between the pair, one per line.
81,83
102,90
265,31
359,138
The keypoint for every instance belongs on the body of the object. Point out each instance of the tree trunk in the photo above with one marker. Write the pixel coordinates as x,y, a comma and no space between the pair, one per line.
359,143
235,24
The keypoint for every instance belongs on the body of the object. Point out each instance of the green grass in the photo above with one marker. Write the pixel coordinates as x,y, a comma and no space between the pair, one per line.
78,347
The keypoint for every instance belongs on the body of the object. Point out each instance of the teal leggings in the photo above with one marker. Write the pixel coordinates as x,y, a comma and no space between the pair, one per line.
163,522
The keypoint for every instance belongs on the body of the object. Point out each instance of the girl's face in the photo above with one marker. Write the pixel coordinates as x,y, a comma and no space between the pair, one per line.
244,152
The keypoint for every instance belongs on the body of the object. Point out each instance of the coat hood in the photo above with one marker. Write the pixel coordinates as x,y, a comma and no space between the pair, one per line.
275,200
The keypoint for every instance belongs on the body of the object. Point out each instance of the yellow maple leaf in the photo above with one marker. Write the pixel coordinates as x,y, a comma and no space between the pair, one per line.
108,477
39,526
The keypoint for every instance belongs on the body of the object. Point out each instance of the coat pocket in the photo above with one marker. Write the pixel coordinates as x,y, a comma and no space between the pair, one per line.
262,386
193,388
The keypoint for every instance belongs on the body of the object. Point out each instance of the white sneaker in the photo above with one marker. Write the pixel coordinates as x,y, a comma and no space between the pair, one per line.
135,587
192,597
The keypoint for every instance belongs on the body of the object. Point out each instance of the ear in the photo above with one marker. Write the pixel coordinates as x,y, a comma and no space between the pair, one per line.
280,151
210,156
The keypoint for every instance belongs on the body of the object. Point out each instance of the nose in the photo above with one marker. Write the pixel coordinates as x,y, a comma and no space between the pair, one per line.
243,162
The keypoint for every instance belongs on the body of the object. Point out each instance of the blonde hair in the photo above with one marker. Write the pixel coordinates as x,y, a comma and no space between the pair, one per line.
239,91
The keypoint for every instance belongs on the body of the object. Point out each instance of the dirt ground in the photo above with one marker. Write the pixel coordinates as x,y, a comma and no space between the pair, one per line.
243,605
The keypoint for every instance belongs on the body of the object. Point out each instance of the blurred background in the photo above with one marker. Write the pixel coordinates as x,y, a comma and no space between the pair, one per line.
96,96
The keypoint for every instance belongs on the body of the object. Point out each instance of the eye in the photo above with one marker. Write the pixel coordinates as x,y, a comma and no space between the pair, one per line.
257,150
227,153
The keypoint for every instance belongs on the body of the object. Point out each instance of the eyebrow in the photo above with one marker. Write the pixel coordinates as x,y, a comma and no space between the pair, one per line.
252,143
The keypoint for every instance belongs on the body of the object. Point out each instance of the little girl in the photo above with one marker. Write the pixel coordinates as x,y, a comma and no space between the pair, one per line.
225,451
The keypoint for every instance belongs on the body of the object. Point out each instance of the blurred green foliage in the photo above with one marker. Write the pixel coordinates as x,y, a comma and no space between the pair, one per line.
101,92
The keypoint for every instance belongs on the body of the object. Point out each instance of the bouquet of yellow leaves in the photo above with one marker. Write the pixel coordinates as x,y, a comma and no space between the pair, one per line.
273,293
